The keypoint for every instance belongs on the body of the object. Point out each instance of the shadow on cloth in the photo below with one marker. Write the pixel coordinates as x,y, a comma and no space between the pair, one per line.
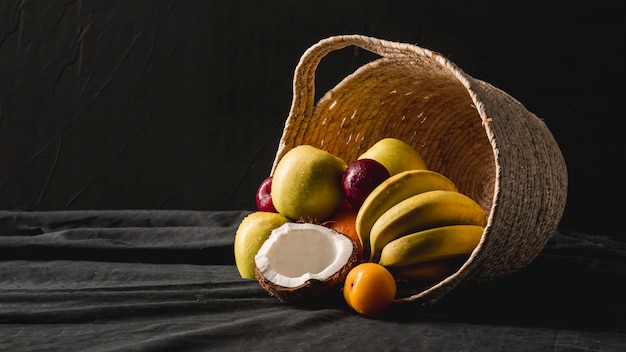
577,282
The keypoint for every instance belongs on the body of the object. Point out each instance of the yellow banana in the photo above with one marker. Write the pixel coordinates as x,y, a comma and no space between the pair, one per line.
392,191
424,211
434,270
432,244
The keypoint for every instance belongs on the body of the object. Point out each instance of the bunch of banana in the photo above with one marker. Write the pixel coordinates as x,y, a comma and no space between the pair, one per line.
418,224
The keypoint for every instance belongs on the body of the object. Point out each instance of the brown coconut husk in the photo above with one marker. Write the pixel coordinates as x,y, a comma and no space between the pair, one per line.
312,290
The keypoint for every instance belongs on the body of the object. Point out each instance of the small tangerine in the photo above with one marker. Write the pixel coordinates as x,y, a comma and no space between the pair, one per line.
369,289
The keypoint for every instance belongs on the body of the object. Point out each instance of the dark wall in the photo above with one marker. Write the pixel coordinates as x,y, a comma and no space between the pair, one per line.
180,104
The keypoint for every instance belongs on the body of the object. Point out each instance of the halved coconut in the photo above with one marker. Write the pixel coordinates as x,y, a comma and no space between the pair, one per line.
300,261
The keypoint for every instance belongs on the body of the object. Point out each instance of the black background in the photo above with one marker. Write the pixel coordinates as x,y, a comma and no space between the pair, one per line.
180,104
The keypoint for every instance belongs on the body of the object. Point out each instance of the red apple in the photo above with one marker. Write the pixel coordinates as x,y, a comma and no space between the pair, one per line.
360,179
264,197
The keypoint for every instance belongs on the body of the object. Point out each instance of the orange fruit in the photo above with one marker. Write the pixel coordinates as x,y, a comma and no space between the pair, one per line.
344,221
369,289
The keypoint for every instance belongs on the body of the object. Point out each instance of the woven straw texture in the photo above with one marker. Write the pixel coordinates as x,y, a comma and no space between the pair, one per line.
496,151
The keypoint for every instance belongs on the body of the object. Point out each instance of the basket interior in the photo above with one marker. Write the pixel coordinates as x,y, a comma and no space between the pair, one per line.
413,99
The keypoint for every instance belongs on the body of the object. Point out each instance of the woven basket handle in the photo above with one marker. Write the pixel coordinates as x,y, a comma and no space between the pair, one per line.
304,80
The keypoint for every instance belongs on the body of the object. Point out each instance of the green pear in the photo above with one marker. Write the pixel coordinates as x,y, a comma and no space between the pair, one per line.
395,155
307,185
252,232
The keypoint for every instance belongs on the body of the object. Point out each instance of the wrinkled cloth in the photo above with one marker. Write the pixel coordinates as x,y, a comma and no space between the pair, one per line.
143,280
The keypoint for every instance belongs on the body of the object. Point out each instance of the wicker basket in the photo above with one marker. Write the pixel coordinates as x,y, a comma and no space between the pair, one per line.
496,151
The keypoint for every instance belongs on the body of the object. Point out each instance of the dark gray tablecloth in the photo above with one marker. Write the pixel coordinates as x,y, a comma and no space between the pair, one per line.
166,281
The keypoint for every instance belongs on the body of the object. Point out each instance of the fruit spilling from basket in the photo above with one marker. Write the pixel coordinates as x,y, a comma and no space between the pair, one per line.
324,225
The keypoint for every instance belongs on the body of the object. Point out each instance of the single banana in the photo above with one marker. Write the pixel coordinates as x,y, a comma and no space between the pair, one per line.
421,212
432,244
392,191
430,271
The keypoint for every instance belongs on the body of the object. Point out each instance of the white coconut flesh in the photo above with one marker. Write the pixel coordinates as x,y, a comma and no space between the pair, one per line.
298,252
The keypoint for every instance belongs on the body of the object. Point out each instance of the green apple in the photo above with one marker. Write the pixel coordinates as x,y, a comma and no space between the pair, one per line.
307,185
252,232
395,155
